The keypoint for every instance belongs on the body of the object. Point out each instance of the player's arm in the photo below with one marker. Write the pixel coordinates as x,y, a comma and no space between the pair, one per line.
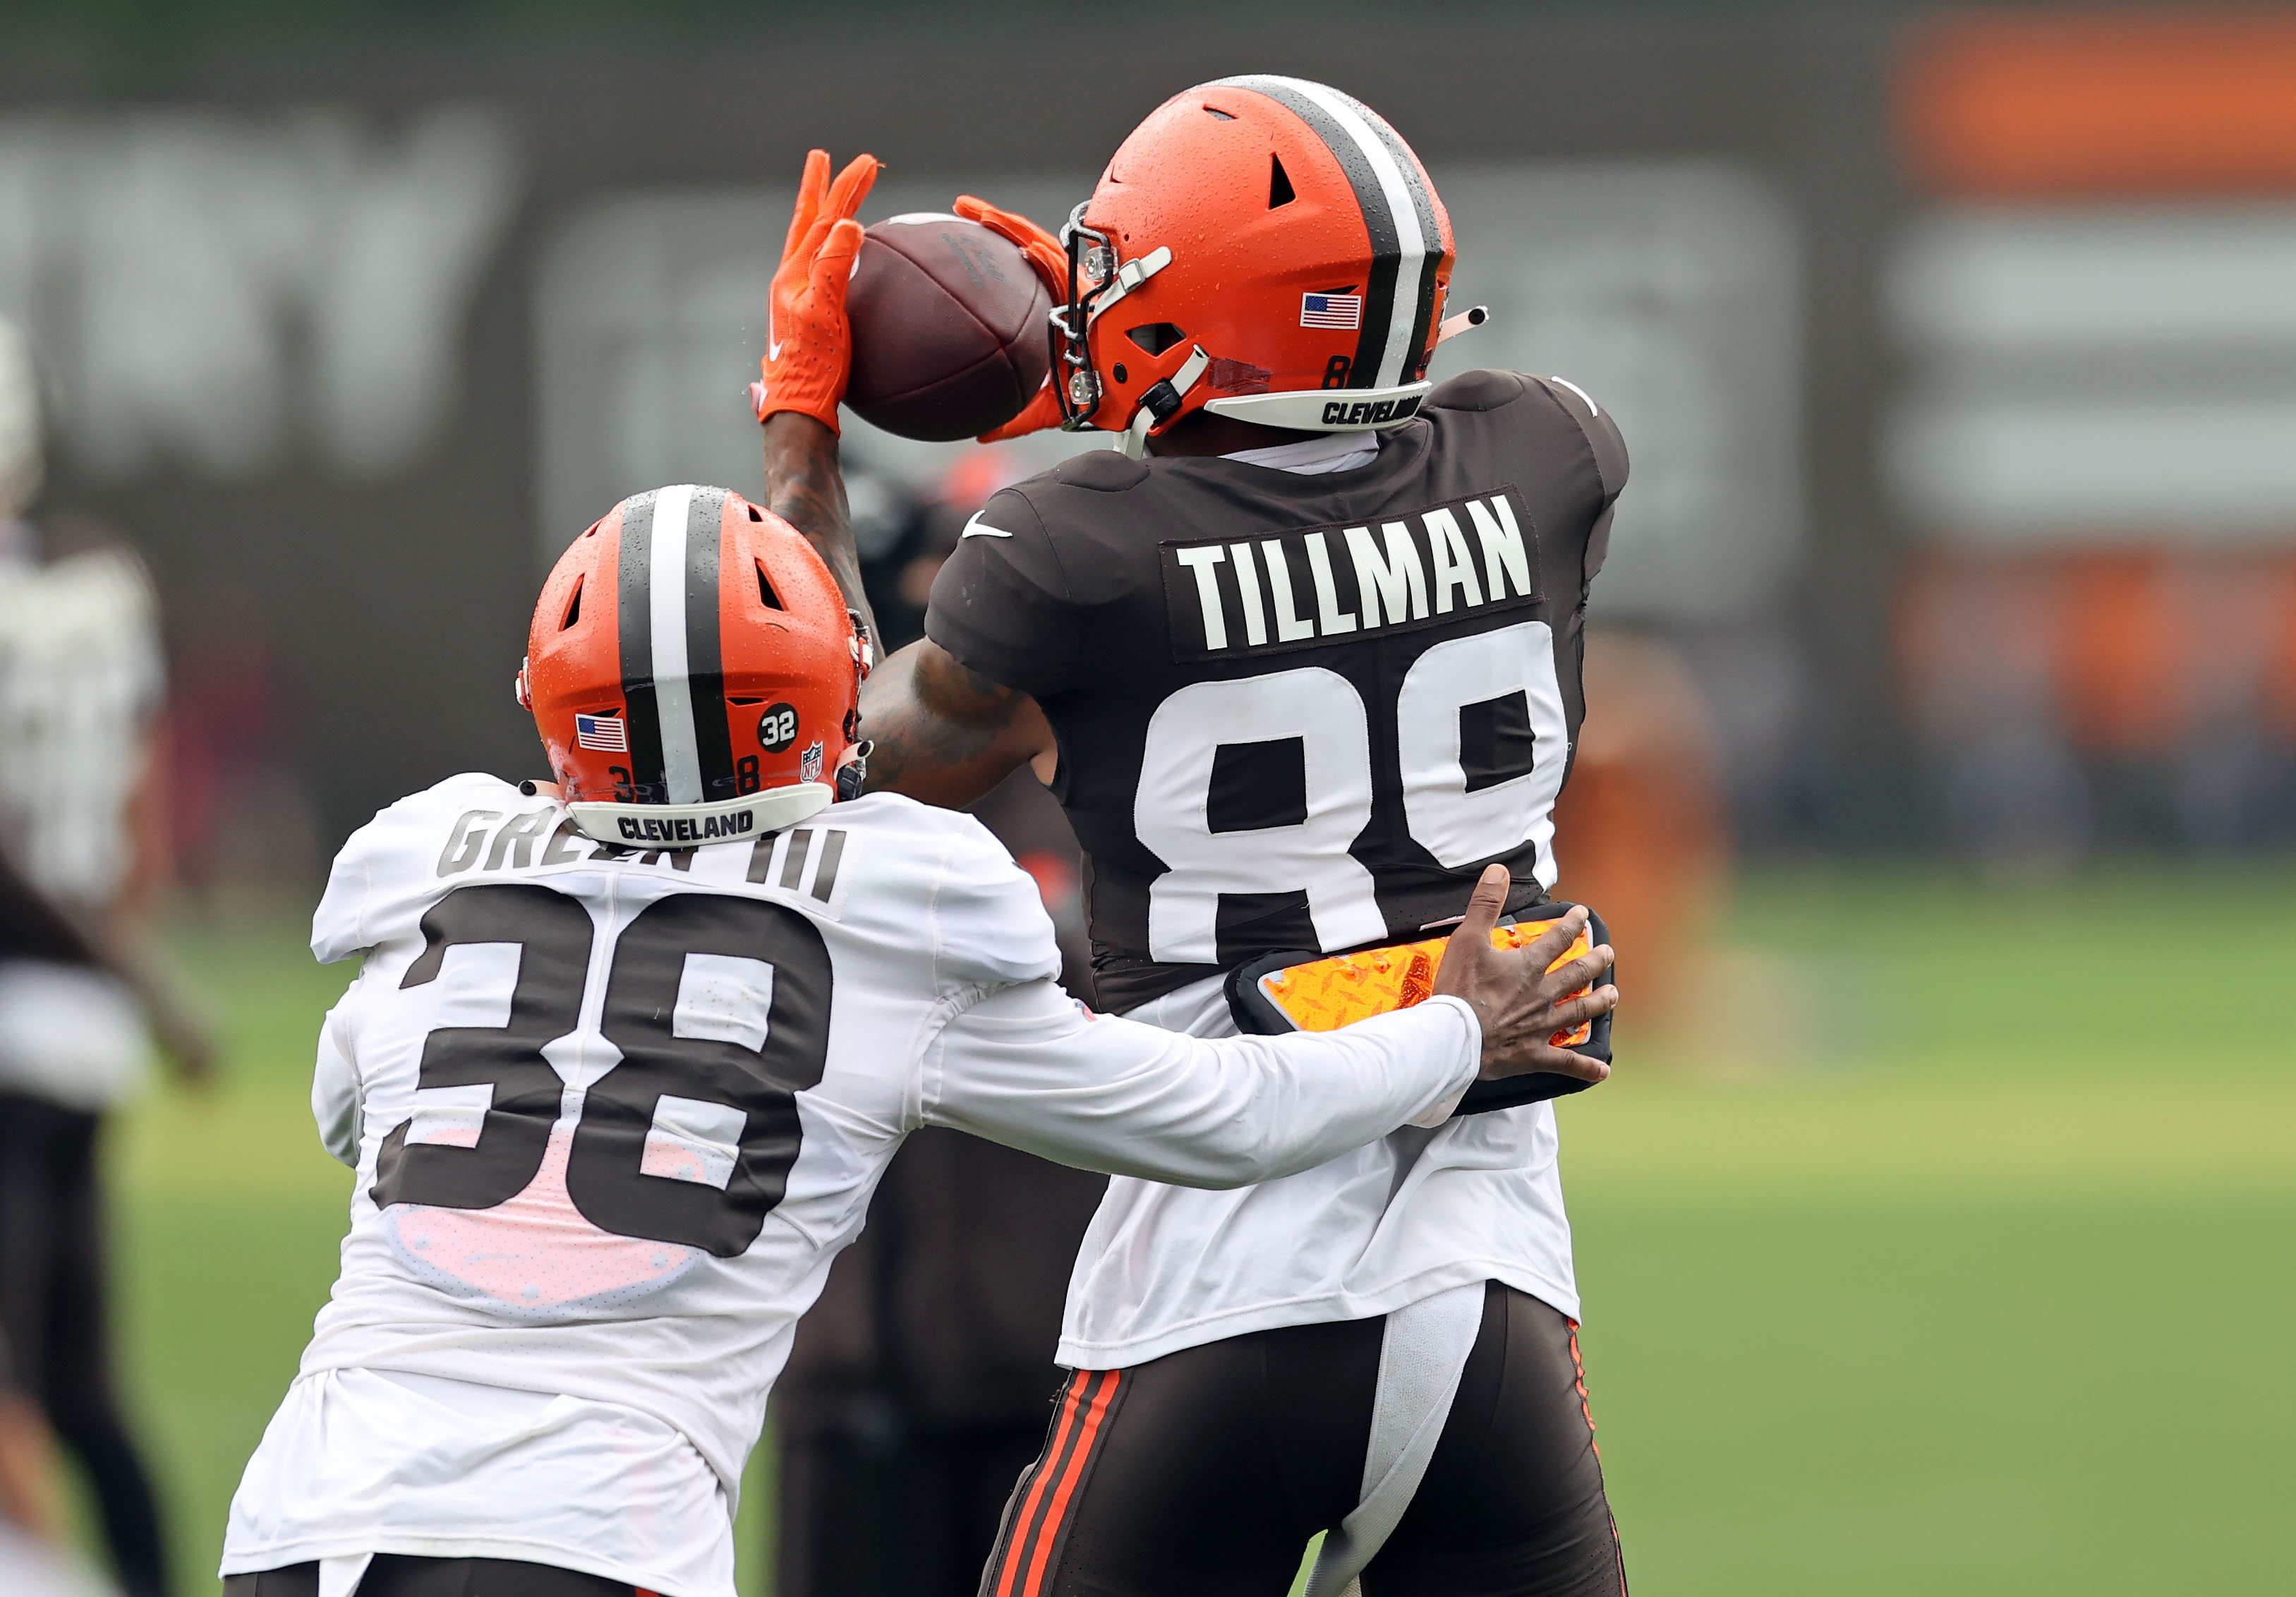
961,709
1026,1067
32,926
944,734
809,358
338,1103
805,486
184,1038
1608,449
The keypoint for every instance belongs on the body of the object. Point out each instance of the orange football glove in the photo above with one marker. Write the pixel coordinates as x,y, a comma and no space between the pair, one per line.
1051,261
1043,249
1037,415
808,342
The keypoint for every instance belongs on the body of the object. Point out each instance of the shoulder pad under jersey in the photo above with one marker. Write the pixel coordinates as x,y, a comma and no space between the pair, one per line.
1600,426
1104,471
1478,390
390,864
983,916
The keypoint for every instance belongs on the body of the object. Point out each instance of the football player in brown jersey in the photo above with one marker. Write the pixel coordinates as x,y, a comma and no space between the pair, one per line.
1300,658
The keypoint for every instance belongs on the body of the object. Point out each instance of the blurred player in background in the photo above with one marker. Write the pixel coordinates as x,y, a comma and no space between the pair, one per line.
80,763
626,1058
1306,651
915,1393
32,1563
28,1484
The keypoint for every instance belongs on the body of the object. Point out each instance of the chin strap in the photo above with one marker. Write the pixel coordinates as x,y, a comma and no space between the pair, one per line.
854,771
1160,403
1128,277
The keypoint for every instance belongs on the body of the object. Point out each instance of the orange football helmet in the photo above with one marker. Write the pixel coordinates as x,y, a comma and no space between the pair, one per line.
694,673
1261,247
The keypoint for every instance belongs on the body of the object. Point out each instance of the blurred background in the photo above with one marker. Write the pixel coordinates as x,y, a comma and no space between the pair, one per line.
1938,780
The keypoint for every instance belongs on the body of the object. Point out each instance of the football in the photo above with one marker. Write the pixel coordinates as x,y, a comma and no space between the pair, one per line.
948,328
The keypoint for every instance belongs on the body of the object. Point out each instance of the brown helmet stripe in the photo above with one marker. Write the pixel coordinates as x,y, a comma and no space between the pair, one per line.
634,625
1399,295
705,669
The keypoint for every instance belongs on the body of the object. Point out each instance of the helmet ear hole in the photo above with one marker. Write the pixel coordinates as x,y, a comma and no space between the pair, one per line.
1280,191
1156,337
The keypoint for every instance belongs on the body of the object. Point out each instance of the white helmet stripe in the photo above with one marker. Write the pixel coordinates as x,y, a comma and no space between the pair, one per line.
1397,357
666,606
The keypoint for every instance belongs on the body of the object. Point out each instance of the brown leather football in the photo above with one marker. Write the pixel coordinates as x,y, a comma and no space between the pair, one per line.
948,328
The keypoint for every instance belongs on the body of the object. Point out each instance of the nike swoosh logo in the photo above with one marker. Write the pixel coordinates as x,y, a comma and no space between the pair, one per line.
976,528
773,344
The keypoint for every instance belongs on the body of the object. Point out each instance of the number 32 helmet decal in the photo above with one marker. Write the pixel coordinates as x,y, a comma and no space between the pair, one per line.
693,670
1261,247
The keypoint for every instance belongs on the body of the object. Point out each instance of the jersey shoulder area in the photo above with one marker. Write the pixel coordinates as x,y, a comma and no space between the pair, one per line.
1028,510
393,854
930,883
1095,471
946,883
1060,497
1481,392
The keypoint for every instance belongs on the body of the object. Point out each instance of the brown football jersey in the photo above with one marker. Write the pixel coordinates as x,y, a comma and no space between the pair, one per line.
1300,712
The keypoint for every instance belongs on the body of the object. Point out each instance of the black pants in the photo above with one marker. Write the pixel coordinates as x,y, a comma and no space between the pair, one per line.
915,1516
1203,1474
51,1307
393,1575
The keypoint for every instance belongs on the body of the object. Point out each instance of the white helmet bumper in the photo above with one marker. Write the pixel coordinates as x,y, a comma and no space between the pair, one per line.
692,825
1327,409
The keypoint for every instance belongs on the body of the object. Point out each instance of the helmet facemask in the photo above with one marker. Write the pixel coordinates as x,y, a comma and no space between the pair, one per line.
1097,280
1092,263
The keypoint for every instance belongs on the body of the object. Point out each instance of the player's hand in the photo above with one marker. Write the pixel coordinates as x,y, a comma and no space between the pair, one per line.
190,1047
1051,263
1039,414
1521,1003
808,342
30,1498
1043,249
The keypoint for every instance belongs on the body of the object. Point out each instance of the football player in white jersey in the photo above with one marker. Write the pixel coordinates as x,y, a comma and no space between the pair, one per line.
82,689
626,1057
1305,648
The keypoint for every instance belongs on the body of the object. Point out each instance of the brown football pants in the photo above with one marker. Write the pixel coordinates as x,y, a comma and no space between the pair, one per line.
1203,1474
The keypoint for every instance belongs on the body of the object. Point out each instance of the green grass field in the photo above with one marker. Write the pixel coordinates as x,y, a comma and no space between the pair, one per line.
1975,1280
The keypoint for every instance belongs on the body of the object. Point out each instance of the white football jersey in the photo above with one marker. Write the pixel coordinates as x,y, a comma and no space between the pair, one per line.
80,680
614,1112
1377,1227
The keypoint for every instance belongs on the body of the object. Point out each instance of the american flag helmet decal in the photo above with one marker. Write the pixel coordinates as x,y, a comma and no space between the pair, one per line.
1342,311
604,733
